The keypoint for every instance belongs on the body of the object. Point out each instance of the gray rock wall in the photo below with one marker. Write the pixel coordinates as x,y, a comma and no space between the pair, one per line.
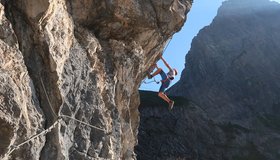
84,59
20,114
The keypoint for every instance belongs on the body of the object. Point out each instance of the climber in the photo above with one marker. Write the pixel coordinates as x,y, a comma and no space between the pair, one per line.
166,80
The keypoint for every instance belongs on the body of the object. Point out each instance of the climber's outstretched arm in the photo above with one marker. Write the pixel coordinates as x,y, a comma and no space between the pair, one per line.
167,65
156,66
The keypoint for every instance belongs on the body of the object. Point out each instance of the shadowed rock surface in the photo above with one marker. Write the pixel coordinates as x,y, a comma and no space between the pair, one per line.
163,134
232,80
189,133
80,58
232,65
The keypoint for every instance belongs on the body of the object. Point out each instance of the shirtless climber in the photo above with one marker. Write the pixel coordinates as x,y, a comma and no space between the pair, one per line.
165,82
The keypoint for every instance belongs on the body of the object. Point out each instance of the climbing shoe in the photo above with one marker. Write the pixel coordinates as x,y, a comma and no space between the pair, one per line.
171,104
150,76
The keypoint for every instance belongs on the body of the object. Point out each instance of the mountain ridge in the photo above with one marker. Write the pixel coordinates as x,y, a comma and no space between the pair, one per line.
231,78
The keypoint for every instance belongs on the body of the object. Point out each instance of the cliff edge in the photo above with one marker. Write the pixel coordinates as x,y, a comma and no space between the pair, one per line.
227,102
70,72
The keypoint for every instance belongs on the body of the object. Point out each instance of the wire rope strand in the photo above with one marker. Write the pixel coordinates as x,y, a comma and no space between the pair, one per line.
84,123
45,131
48,99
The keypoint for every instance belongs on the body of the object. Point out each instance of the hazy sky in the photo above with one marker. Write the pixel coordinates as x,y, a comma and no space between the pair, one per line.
201,15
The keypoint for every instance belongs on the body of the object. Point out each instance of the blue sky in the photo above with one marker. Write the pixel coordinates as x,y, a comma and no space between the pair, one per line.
201,15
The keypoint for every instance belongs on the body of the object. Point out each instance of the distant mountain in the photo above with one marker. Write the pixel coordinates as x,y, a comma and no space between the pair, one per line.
233,65
232,82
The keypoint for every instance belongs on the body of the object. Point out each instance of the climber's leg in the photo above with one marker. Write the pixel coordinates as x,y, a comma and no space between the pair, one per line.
155,73
164,97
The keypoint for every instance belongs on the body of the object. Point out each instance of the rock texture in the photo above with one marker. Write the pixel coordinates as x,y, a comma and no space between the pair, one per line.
233,63
20,112
231,79
163,134
189,133
84,59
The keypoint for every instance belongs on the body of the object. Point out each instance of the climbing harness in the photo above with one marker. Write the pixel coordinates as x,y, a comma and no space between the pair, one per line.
164,80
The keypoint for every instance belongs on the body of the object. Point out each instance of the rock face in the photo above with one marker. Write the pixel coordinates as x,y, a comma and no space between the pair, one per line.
231,79
187,132
233,63
81,59
166,135
20,112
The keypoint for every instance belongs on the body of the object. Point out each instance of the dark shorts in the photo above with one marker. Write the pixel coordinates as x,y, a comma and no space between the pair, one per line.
166,82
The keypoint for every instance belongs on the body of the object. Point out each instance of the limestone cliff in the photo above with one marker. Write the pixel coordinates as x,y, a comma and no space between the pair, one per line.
231,83
64,60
